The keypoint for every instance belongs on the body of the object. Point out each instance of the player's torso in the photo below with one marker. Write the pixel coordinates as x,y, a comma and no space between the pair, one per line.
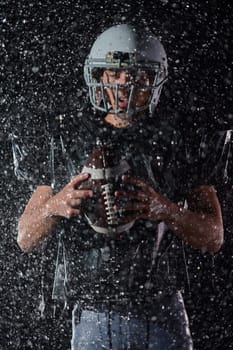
140,262
145,259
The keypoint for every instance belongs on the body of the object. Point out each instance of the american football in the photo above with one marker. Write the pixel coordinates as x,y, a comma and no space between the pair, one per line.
105,168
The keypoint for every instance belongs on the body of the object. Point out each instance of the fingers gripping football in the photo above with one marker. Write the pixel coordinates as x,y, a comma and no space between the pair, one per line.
144,201
67,202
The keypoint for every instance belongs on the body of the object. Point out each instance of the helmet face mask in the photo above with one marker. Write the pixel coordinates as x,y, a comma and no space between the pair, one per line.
133,55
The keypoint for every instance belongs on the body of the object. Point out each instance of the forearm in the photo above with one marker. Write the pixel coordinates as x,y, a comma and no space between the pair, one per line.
36,222
200,230
200,224
45,209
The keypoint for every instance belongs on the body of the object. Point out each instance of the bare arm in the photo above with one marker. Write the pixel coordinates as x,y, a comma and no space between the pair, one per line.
44,211
200,224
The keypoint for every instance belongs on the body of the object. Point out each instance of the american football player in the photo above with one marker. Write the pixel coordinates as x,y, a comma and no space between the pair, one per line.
124,274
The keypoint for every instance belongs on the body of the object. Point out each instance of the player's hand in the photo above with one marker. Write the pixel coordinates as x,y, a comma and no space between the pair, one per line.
142,202
67,202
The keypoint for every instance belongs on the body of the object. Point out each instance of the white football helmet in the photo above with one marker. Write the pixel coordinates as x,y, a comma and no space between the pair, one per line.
124,47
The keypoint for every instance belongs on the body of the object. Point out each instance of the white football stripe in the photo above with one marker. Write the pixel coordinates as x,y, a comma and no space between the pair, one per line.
109,229
107,173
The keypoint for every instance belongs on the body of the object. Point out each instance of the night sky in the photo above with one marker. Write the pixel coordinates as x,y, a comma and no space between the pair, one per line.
43,45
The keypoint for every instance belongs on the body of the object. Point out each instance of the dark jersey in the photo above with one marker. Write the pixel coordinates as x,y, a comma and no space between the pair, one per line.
147,262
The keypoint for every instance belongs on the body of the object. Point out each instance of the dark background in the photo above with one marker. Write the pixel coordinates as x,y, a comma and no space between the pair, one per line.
43,45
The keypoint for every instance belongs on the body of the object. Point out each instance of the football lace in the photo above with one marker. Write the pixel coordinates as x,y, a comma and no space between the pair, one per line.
108,202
